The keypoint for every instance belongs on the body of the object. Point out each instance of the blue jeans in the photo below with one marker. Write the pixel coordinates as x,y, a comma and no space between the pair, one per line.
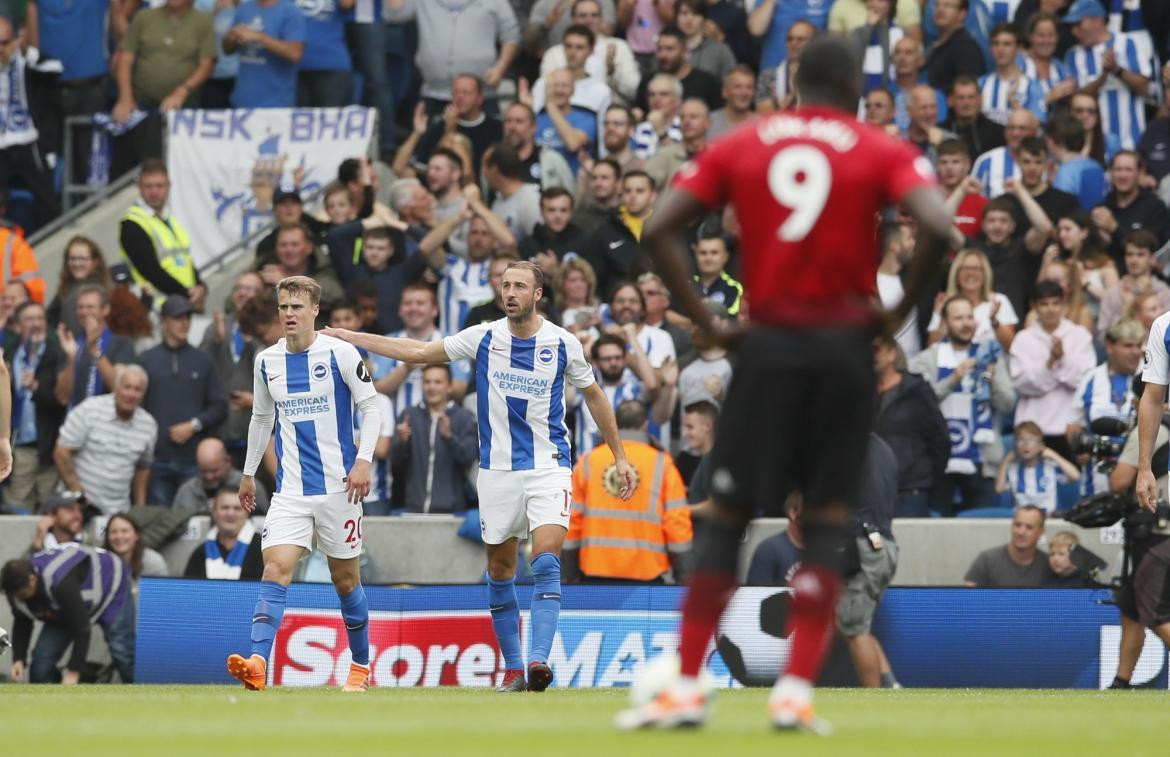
913,504
55,639
166,476
369,49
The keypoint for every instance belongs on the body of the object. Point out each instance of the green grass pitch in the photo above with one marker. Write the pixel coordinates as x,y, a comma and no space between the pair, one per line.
219,720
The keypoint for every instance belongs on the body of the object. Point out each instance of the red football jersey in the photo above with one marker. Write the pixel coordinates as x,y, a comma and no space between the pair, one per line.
806,185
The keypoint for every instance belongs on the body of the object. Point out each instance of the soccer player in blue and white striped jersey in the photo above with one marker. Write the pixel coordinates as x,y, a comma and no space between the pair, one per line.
1112,67
308,384
522,365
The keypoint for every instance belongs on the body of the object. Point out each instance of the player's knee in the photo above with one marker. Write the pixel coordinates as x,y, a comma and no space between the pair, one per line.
275,572
501,569
344,582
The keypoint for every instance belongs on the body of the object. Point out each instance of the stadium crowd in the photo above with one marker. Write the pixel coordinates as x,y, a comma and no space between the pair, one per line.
545,131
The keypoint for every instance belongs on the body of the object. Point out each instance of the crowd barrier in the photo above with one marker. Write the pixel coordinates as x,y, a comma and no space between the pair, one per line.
442,635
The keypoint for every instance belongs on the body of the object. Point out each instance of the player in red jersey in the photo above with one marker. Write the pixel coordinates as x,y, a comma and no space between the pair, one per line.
806,185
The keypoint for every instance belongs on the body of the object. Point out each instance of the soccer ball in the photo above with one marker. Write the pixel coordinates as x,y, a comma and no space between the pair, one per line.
660,673
5,642
751,635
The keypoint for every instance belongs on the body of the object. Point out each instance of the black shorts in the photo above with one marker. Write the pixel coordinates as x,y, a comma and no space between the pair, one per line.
1146,596
797,417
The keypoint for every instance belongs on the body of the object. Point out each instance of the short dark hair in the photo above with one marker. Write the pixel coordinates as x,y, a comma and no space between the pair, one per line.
1047,289
1066,131
1005,27
345,305
474,77
1000,204
604,339
963,80
630,415
1137,156
298,227
152,165
640,173
14,575
624,109
581,30
348,170
505,159
450,155
619,286
1034,146
444,367
953,147
33,304
379,232
698,7
951,301
703,408
419,286
553,193
828,72
617,167
1143,238
671,30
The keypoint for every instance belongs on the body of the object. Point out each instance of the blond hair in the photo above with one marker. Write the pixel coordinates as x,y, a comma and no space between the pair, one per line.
953,275
296,285
1065,538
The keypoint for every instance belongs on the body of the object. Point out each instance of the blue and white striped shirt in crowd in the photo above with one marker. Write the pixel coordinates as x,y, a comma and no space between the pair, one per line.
1001,97
520,392
1034,485
465,284
313,394
1122,111
587,436
409,392
645,141
1102,394
16,124
992,168
1126,16
1002,10
1056,72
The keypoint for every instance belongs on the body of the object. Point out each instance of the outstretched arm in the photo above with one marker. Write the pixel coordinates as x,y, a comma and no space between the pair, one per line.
404,350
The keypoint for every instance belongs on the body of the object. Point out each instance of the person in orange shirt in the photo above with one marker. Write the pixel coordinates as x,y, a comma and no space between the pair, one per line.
639,539
18,262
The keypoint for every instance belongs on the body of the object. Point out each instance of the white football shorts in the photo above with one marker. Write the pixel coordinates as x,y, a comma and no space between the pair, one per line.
292,518
514,503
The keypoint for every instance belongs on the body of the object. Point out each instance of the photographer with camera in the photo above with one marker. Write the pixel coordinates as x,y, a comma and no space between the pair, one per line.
1143,599
1106,392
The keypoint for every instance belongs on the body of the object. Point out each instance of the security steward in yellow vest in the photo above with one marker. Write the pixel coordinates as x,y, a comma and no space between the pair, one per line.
639,539
156,245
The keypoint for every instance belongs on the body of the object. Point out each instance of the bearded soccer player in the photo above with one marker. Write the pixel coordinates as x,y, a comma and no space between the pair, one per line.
522,362
309,385
805,185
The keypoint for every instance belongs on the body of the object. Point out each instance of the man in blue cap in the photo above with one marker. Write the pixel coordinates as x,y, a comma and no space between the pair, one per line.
1112,67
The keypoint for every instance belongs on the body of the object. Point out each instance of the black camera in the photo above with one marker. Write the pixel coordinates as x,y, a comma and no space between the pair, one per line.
1103,442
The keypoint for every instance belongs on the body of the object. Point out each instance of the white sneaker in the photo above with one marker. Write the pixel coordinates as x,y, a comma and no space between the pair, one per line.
670,709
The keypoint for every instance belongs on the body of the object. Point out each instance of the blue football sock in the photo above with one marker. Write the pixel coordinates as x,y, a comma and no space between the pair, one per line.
356,613
506,620
546,603
266,619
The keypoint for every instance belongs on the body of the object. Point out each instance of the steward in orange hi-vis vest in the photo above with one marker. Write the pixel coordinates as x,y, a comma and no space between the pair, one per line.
638,539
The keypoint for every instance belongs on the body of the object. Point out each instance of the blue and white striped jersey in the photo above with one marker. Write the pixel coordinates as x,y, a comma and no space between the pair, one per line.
1056,72
520,391
1034,485
1001,97
313,394
409,393
1122,111
587,436
465,284
1101,394
1002,10
992,168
